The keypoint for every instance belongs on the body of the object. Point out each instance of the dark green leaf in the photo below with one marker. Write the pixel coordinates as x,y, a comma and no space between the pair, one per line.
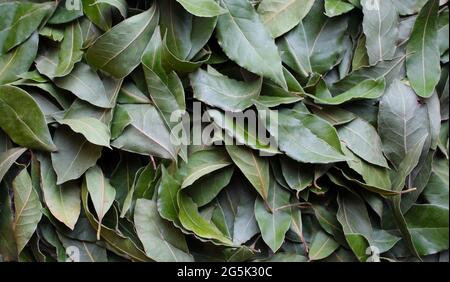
220,91
245,40
202,163
281,16
362,138
8,158
353,217
23,120
27,209
428,225
312,141
202,8
95,131
380,26
85,83
423,63
402,121
255,168
8,247
368,89
119,51
193,221
146,134
22,20
335,8
298,176
98,13
63,201
322,246
101,192
300,47
215,182
75,155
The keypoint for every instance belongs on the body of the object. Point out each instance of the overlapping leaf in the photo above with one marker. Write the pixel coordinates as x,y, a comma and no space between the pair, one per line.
224,130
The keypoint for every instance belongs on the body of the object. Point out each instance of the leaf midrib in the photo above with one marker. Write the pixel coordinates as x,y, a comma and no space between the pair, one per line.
19,118
131,41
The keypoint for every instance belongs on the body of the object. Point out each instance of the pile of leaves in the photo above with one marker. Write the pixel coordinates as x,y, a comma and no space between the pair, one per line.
89,171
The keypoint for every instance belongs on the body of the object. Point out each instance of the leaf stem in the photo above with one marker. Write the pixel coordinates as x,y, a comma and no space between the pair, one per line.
303,205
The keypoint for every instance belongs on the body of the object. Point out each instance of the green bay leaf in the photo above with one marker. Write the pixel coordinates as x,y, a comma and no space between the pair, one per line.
75,155
18,60
220,91
23,120
300,47
281,16
362,138
202,8
118,51
63,201
193,221
274,218
22,20
380,25
244,39
101,192
423,64
255,168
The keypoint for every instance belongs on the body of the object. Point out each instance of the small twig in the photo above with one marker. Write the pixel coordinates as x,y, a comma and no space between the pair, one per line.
153,162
